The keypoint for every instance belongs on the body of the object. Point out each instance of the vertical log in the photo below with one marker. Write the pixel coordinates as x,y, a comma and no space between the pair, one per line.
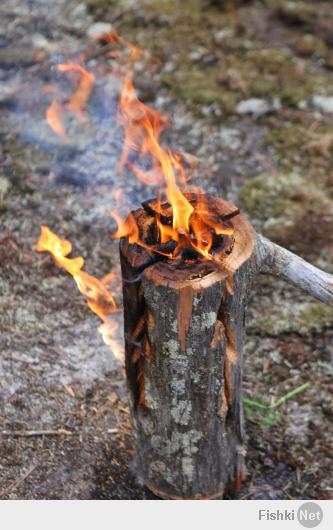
184,332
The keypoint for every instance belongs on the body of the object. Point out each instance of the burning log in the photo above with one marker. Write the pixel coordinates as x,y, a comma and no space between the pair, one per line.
188,265
184,333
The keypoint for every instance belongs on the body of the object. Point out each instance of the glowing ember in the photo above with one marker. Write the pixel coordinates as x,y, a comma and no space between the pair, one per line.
100,301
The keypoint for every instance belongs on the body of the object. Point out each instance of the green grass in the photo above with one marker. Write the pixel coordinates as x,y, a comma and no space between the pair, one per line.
265,414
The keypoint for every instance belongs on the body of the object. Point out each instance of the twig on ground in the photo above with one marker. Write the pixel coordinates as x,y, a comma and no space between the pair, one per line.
37,433
17,482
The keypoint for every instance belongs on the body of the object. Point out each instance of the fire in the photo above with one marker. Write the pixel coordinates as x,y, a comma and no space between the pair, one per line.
98,297
114,38
135,117
79,99
191,225
142,129
77,102
54,118
127,227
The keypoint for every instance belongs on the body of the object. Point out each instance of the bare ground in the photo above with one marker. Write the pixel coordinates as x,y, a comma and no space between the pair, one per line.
56,375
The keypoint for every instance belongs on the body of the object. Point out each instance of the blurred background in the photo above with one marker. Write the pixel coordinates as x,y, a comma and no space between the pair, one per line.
247,88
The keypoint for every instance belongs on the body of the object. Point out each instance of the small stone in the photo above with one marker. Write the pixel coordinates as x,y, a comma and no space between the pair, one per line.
223,34
79,12
168,67
230,138
198,54
257,106
39,42
4,186
275,356
302,104
324,103
99,28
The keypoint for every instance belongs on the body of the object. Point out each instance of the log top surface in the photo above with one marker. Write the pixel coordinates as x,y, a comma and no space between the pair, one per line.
197,272
174,274
201,273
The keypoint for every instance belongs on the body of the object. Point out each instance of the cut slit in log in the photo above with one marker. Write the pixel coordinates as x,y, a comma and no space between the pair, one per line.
184,333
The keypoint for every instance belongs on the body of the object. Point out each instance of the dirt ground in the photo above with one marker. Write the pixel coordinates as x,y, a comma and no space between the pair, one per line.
250,94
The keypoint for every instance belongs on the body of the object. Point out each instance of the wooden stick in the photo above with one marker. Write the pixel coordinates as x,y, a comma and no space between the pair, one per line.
276,260
27,434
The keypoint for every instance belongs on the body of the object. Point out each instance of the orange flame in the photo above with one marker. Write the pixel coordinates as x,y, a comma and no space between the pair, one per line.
126,227
79,99
143,126
54,118
132,116
77,102
114,38
142,129
191,226
99,300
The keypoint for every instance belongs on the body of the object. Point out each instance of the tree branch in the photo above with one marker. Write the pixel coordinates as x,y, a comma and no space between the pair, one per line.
275,260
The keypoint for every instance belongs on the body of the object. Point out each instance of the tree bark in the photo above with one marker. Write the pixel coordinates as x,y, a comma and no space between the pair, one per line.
184,334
